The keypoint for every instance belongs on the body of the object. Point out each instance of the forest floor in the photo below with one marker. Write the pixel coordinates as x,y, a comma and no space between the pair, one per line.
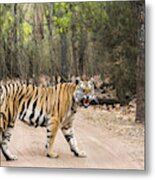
110,138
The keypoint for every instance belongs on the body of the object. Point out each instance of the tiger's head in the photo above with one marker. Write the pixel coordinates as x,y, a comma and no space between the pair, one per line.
84,92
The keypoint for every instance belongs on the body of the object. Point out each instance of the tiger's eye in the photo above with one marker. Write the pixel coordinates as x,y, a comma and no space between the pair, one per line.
83,90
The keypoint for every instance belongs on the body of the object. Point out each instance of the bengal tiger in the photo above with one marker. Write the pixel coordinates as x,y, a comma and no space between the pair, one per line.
49,107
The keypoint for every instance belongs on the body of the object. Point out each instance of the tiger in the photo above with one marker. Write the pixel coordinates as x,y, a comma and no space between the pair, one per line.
50,107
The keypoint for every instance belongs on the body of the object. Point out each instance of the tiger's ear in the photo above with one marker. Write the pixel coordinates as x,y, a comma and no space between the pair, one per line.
92,80
77,80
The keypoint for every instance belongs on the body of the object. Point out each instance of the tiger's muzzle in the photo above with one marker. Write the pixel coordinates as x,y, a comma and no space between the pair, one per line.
86,100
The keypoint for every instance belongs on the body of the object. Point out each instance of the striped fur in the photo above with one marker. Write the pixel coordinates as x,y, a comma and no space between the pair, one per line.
50,107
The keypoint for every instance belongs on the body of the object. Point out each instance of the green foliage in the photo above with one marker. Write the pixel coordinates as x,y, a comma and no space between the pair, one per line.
100,35
118,45
27,31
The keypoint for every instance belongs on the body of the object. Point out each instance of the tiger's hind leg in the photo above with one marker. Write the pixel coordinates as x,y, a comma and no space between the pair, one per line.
4,140
52,128
68,133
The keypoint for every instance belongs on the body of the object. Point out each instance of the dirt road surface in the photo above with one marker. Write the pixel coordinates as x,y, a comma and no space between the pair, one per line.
104,150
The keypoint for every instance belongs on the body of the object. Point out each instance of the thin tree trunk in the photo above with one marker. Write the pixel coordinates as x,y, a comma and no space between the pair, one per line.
39,21
82,45
15,23
140,113
64,62
81,53
63,46
74,40
15,71
49,24
74,48
37,36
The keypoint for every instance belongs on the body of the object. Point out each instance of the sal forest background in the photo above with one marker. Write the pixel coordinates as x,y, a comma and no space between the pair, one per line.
104,40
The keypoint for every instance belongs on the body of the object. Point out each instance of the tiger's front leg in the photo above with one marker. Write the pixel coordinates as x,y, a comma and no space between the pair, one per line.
4,140
68,133
52,128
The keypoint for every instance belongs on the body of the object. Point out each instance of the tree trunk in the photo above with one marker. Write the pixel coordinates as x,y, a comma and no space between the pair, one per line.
82,45
49,15
140,113
15,69
74,49
34,63
15,23
74,41
64,62
63,46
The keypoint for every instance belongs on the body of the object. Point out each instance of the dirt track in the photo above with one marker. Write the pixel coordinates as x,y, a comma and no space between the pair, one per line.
103,149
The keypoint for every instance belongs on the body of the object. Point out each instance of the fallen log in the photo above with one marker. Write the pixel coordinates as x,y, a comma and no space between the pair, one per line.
105,101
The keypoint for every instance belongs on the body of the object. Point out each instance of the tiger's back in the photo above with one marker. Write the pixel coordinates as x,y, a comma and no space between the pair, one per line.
33,105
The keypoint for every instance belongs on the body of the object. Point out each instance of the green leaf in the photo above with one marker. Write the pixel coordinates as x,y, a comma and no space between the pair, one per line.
61,30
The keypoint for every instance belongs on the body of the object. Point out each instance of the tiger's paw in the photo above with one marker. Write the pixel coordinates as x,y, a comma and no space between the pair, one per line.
53,155
80,154
12,158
